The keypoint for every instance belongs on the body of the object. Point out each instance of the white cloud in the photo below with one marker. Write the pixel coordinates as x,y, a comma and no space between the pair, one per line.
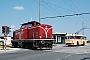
18,8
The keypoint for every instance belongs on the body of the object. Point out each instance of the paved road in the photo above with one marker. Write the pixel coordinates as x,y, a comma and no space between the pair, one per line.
59,52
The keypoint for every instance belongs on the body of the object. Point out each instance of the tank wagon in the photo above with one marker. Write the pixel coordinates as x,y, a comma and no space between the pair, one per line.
33,35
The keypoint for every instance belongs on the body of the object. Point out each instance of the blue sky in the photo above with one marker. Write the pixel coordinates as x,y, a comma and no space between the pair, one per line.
16,12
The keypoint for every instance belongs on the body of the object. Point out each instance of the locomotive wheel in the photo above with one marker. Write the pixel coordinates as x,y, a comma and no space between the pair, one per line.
34,48
50,48
14,45
24,45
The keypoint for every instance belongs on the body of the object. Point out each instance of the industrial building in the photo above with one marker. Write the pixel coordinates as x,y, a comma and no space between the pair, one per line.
59,38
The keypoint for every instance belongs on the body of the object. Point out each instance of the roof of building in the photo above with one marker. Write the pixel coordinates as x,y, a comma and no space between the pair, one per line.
59,33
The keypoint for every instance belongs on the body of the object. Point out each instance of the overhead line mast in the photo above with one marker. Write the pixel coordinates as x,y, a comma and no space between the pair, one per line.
39,10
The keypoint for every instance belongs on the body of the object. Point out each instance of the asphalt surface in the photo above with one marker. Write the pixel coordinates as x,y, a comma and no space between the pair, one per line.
59,52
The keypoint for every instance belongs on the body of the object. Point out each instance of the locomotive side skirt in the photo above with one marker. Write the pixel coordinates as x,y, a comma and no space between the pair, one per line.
33,43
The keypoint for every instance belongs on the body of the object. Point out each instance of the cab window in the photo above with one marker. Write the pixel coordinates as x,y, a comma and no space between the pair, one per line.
29,24
22,26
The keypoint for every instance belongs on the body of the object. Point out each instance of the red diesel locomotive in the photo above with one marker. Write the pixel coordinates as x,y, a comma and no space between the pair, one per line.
33,35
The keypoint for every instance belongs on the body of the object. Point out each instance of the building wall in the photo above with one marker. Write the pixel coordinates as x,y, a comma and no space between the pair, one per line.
59,38
8,41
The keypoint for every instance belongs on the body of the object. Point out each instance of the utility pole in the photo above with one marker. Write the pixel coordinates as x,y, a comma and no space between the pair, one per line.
83,27
39,10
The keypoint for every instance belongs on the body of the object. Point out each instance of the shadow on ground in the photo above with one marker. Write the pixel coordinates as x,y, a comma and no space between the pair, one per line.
87,58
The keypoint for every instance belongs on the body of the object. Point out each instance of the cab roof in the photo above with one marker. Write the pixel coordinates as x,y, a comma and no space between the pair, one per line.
30,23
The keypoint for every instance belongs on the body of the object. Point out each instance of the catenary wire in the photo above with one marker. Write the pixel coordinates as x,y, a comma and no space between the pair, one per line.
47,7
51,7
69,6
80,11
